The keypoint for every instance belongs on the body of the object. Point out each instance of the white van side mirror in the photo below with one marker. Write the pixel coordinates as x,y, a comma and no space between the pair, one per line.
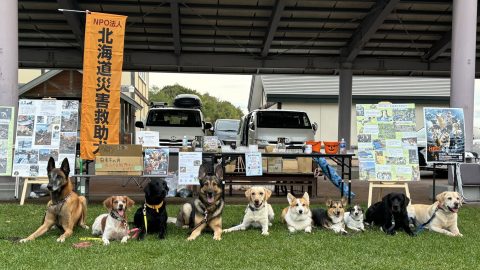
251,126
315,127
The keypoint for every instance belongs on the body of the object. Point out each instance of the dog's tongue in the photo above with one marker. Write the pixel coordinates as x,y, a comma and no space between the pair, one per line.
210,199
454,210
120,212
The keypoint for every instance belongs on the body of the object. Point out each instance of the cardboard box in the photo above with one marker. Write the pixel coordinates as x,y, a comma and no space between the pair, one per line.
304,164
119,159
264,164
290,166
274,164
230,168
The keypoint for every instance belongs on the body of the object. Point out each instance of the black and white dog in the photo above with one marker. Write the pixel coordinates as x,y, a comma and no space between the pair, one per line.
152,216
390,214
354,218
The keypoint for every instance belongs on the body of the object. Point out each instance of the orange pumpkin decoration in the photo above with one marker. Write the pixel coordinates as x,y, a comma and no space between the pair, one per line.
331,147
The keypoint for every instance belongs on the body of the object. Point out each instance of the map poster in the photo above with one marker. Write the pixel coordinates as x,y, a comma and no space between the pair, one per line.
188,166
445,135
6,139
156,161
45,128
387,142
253,163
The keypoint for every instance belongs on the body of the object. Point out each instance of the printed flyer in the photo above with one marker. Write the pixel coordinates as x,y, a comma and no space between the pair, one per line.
387,142
188,166
445,135
147,138
45,128
253,164
6,139
156,161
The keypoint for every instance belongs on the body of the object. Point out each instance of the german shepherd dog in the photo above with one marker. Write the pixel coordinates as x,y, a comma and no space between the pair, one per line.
207,209
65,208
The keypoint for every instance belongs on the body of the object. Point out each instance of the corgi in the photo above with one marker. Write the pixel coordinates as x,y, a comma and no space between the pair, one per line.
298,216
332,218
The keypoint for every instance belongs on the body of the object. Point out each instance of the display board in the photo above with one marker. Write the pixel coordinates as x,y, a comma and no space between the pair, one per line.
6,139
45,128
156,161
387,142
188,167
444,128
253,164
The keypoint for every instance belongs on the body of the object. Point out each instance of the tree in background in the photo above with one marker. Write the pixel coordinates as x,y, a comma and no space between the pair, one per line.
212,109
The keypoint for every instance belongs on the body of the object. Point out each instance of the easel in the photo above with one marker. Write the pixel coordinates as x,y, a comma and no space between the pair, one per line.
240,164
381,185
29,181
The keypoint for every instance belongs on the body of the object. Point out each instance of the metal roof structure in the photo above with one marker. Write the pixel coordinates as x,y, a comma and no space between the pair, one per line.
373,37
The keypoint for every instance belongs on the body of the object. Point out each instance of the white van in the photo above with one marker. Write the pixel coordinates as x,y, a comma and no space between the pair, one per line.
264,127
175,122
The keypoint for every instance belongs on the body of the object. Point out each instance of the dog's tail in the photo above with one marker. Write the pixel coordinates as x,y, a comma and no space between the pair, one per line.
172,220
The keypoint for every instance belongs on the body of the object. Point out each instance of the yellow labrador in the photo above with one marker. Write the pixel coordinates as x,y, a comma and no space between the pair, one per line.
259,214
444,212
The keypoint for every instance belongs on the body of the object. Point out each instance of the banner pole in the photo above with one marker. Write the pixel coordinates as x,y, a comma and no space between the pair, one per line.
73,10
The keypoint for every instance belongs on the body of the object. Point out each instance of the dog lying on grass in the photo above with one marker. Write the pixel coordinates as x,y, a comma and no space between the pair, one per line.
114,225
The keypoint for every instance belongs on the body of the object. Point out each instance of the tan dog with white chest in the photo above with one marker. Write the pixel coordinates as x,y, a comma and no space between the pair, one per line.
441,216
114,225
298,215
259,214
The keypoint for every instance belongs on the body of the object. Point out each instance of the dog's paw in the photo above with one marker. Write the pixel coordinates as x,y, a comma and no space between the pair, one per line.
308,230
265,233
459,234
24,240
61,239
185,227
125,239
291,229
106,242
226,231
85,226
190,238
217,237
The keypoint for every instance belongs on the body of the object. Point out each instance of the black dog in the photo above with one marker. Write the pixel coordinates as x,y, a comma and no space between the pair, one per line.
154,210
390,213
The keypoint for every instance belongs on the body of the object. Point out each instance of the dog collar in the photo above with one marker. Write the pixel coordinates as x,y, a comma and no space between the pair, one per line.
155,206
114,214
256,209
63,200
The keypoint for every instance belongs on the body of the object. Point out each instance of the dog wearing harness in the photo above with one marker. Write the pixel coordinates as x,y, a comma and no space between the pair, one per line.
65,208
207,209
151,217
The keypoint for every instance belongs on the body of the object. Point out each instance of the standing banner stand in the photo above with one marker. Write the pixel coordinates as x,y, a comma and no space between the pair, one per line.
387,146
445,134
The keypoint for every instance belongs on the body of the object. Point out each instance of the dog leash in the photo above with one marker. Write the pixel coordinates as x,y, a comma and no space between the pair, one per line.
145,205
422,227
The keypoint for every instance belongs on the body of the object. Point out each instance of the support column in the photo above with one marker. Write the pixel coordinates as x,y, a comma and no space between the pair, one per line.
345,105
8,70
464,32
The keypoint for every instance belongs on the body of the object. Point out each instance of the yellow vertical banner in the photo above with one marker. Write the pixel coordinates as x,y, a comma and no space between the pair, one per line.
102,75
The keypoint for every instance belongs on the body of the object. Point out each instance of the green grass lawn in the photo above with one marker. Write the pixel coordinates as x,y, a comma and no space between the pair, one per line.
238,250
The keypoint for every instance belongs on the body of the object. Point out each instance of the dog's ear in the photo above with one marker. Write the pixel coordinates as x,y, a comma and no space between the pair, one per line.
441,197
350,209
329,203
219,172
462,200
290,198
344,202
65,166
306,197
406,201
202,172
146,189
248,192
268,193
108,203
165,186
51,164
130,202
386,201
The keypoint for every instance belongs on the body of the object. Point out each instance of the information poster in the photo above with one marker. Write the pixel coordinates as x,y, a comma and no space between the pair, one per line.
253,164
6,139
387,142
45,128
188,166
445,135
156,161
148,138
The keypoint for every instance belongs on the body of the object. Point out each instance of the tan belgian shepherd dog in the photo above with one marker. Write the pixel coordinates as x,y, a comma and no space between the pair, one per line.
65,209
207,209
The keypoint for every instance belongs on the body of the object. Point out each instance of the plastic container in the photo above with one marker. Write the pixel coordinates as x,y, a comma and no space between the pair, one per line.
343,146
316,146
185,141
331,147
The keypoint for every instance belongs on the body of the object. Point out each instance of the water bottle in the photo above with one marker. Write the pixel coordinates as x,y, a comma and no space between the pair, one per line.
185,141
343,146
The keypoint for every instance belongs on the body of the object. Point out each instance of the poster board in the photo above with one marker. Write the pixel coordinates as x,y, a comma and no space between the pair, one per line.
445,133
156,161
387,142
45,128
6,139
188,166
147,138
253,164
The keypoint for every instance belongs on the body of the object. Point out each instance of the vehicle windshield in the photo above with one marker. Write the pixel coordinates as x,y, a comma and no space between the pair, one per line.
227,125
283,119
174,118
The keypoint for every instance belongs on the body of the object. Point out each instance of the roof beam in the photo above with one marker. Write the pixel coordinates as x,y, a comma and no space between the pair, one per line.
272,28
367,29
439,47
175,11
73,19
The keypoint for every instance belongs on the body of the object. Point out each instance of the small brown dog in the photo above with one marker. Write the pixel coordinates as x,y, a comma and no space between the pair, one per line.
65,209
114,225
332,218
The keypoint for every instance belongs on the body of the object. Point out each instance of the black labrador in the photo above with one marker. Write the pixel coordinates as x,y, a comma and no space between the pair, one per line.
390,214
152,216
